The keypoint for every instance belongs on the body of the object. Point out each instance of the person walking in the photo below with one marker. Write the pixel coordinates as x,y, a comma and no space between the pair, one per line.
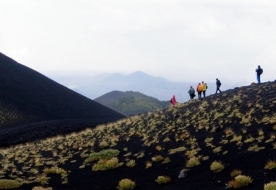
173,100
191,93
218,83
204,88
199,90
259,71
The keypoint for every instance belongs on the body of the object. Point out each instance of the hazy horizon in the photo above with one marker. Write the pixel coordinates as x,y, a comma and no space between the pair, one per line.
188,40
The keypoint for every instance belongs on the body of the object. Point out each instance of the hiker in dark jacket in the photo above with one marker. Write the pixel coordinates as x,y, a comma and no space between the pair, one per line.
218,83
259,71
191,93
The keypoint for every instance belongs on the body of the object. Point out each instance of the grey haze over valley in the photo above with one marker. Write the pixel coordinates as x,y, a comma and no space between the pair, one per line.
157,87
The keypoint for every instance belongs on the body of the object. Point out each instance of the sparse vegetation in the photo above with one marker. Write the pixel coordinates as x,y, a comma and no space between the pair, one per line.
163,180
191,132
9,184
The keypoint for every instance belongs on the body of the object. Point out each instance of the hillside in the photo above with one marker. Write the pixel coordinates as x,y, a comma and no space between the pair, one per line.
28,96
131,103
28,99
225,140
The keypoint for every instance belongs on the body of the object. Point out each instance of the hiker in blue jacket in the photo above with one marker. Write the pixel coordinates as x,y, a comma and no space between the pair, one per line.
191,92
259,71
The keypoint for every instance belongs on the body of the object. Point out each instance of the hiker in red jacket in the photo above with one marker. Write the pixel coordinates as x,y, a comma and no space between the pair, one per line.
173,100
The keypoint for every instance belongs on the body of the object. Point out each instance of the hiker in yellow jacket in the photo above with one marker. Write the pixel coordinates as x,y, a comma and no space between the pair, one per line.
199,89
204,88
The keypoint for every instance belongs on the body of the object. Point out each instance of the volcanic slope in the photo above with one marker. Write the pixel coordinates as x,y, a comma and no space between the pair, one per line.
224,140
27,96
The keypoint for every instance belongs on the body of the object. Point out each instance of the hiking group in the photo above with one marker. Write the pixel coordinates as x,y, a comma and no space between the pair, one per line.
202,87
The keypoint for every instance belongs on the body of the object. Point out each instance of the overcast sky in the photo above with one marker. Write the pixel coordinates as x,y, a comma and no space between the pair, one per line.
181,40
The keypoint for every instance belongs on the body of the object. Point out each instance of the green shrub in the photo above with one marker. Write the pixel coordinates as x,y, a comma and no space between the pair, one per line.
216,166
103,144
270,186
163,180
9,184
102,165
126,184
235,173
55,170
240,181
157,158
131,163
104,154
42,179
166,160
270,165
194,161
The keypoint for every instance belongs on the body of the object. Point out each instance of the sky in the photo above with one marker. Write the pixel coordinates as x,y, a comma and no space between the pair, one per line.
180,40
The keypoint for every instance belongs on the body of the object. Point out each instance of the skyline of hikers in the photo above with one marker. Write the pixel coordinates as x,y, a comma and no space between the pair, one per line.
202,87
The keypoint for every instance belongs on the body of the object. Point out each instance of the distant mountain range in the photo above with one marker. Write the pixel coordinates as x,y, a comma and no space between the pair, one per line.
157,87
131,103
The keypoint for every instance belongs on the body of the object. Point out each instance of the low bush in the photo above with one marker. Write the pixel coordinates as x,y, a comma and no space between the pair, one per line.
102,165
240,181
41,188
126,184
270,165
157,158
104,154
175,150
163,180
9,184
270,186
217,166
55,170
235,173
194,161
131,163
148,164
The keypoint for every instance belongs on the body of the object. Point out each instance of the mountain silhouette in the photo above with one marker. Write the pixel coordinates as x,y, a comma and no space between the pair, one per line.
26,96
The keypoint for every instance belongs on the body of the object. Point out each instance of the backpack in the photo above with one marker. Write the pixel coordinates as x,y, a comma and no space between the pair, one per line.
206,86
171,101
200,88
219,83
261,71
